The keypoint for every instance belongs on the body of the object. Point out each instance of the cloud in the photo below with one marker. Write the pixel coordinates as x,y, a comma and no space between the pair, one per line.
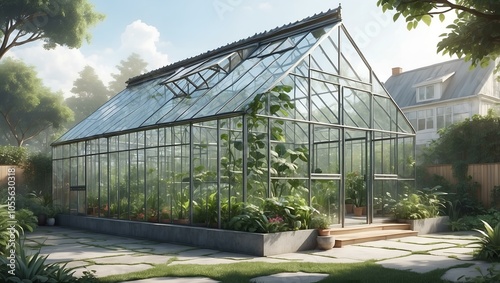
143,39
59,67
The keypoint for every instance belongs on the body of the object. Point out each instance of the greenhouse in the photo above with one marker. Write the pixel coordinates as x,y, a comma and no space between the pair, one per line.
294,114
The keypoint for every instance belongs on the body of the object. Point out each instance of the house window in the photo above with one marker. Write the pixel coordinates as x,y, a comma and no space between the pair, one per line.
425,93
444,117
425,119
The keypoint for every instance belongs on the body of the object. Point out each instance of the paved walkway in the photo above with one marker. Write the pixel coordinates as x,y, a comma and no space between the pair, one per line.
109,255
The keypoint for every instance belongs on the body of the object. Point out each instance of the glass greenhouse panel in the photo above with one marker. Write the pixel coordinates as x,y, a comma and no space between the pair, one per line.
325,102
92,185
326,151
151,212
385,195
325,57
385,114
356,108
103,189
406,157
123,185
384,154
352,63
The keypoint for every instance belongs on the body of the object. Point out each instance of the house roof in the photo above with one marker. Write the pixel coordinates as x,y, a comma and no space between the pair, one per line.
218,83
462,81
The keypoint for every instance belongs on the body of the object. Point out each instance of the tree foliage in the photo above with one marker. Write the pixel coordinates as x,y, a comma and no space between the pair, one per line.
133,66
27,107
55,22
475,140
90,92
474,34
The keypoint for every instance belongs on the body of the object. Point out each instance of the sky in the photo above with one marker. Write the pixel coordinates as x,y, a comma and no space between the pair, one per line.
166,31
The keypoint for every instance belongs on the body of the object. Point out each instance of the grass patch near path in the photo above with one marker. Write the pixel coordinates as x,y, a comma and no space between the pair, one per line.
244,271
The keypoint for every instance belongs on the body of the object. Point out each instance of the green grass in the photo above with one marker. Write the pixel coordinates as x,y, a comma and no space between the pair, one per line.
243,272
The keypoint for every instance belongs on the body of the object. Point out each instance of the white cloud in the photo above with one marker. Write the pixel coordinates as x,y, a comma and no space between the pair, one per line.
143,39
59,67
265,6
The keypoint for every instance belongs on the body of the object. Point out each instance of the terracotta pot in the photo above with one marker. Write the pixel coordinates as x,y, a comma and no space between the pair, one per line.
349,207
323,232
358,211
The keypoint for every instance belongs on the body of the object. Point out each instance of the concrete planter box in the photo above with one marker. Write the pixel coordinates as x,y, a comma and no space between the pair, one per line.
224,240
429,225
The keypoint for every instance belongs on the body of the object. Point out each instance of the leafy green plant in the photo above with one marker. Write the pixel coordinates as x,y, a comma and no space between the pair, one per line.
251,219
492,276
355,188
319,221
26,219
427,203
489,243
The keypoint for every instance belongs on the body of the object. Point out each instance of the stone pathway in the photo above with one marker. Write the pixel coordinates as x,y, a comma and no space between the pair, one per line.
111,255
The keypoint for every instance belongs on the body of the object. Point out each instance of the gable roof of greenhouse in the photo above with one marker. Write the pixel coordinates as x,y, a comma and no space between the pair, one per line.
218,83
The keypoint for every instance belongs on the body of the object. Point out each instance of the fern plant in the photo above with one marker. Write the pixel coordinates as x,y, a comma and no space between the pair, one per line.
489,243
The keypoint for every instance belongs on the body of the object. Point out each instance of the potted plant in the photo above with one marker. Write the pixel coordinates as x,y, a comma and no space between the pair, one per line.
52,211
356,192
321,223
324,240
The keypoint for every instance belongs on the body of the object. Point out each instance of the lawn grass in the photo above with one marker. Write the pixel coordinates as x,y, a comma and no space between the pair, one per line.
244,271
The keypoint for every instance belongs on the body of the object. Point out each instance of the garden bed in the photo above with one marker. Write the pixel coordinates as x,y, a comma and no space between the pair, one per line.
429,225
257,244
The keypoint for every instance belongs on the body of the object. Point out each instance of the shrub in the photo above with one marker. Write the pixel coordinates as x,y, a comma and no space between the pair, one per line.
489,243
426,203
33,268
13,155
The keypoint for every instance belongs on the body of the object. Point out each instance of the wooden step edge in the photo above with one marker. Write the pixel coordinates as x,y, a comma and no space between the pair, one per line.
349,230
340,242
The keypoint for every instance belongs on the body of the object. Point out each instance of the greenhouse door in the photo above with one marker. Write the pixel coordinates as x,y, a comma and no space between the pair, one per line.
356,178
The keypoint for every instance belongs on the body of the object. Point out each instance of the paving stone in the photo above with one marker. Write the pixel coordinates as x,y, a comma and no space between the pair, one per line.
420,263
133,259
406,246
431,240
454,274
267,260
290,277
459,253
234,256
190,254
362,253
106,270
65,253
203,261
303,257
175,280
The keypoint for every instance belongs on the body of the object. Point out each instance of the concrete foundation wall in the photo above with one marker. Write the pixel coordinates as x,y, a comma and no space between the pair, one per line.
224,240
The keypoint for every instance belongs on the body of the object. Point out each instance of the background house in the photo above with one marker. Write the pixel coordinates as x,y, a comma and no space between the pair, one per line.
436,96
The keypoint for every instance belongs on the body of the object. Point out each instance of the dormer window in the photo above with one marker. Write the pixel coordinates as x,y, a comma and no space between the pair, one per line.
425,93
432,88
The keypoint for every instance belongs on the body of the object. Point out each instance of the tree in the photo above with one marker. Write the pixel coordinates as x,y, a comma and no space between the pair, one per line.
133,66
55,22
27,107
474,34
475,140
90,92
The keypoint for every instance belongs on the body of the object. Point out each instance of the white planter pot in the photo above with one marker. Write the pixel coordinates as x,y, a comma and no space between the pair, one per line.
325,242
51,221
